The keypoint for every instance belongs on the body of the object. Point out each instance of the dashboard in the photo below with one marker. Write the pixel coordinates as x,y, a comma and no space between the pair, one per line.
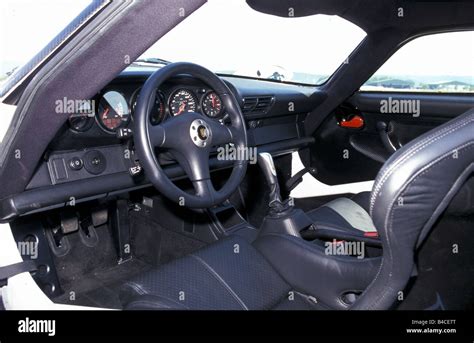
113,108
90,159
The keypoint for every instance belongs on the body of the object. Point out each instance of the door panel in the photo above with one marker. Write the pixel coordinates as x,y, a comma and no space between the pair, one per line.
347,154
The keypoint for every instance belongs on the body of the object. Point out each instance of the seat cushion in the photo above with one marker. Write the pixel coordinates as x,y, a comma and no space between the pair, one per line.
344,213
227,275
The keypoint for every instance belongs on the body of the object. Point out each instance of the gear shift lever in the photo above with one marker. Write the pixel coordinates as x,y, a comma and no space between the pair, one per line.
275,203
282,217
265,161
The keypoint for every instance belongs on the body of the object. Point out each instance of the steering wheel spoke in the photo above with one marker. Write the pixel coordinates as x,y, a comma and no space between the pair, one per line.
204,189
221,134
157,136
195,163
196,166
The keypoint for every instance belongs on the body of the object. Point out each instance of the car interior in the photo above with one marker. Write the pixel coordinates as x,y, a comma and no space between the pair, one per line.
133,207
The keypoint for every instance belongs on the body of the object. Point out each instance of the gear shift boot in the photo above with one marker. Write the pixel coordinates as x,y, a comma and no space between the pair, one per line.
282,217
291,223
265,162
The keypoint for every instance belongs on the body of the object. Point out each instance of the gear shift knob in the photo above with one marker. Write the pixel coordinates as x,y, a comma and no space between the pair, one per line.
265,161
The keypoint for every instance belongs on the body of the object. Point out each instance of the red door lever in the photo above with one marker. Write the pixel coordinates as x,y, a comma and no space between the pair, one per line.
356,122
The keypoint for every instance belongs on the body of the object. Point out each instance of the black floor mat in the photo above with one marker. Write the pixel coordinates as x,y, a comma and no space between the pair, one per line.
90,276
101,288
157,245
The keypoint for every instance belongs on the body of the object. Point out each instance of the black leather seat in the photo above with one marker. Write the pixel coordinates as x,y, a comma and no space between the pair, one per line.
228,275
277,271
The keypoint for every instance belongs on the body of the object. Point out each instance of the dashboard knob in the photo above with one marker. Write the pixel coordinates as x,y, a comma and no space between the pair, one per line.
75,163
94,162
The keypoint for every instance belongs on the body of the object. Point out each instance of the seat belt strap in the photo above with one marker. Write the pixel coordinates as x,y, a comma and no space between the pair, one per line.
15,269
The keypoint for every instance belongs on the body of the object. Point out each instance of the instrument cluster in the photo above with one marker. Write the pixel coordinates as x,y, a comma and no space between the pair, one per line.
115,110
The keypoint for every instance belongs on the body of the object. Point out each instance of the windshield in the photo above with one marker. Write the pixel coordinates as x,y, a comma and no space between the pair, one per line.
229,37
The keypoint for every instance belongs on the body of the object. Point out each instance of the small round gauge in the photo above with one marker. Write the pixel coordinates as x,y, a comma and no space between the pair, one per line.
113,111
158,110
182,101
80,122
212,104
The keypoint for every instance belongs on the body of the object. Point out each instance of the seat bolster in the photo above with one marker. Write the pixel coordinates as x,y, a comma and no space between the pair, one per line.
152,302
309,270
300,302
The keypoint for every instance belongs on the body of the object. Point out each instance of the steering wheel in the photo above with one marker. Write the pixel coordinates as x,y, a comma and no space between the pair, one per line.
189,137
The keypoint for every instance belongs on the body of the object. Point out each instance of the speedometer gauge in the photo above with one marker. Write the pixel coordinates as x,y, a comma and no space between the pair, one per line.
113,111
212,104
182,101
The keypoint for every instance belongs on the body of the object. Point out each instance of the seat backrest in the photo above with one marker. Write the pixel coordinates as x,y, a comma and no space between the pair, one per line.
412,189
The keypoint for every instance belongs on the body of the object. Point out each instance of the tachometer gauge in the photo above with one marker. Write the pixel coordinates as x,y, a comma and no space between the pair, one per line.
158,110
211,104
81,122
113,111
182,101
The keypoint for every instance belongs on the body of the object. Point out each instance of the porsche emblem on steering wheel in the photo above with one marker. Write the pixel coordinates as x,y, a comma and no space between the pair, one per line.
200,133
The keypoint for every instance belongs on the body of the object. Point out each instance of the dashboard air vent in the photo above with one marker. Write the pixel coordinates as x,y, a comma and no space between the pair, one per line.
256,105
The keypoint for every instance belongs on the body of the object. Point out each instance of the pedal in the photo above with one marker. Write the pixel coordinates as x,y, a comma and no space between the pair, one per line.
99,217
69,222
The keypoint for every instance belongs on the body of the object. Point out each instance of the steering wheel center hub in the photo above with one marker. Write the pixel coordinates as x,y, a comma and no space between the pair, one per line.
200,133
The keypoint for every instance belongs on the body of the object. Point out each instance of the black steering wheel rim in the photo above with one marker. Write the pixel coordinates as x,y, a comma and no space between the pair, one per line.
190,138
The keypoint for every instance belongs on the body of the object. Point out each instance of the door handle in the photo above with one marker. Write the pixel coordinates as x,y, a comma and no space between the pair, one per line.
383,130
355,122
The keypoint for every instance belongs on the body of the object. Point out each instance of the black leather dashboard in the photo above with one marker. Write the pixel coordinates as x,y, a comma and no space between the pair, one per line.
274,114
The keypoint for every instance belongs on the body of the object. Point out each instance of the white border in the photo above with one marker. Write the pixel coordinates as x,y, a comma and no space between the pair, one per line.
22,292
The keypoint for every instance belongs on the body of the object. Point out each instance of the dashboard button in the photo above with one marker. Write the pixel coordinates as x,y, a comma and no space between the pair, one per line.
124,133
135,170
59,169
75,163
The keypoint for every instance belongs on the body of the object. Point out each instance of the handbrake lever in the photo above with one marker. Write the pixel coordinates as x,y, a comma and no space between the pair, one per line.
296,179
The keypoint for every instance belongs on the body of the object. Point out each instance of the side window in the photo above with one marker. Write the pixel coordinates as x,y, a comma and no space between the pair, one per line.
438,63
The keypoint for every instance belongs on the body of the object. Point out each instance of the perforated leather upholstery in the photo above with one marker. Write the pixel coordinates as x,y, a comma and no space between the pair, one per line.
230,274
